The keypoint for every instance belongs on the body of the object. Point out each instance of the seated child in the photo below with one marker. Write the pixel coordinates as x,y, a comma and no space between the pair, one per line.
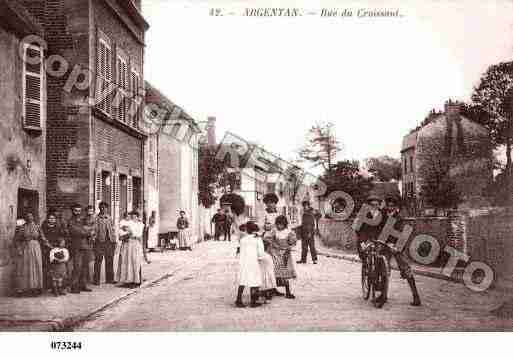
59,256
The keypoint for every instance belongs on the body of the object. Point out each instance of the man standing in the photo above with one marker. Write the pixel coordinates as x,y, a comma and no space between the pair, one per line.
228,226
81,249
307,233
104,246
219,220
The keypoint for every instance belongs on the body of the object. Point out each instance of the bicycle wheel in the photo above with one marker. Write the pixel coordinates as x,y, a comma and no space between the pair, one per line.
365,280
382,277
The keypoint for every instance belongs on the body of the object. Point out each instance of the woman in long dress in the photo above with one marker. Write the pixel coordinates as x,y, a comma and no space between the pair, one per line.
131,251
281,244
183,232
153,235
29,262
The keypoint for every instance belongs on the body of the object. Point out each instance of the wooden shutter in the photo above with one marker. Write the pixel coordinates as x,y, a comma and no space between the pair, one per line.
129,193
114,192
98,187
135,93
32,87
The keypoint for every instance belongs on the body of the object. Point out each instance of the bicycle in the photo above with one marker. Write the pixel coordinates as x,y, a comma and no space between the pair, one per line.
375,272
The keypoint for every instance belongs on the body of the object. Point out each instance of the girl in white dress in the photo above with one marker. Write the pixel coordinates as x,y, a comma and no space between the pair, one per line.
250,274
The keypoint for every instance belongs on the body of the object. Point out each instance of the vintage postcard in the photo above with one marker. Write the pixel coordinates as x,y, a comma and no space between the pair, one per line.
255,166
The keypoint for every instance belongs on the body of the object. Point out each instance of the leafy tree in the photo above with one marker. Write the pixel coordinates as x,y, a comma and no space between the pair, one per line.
438,190
322,146
346,176
384,168
492,106
211,175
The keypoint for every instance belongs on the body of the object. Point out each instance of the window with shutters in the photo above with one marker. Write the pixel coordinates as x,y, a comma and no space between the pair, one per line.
121,102
135,103
104,85
33,77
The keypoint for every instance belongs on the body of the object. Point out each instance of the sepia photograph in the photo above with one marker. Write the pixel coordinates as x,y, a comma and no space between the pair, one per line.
255,166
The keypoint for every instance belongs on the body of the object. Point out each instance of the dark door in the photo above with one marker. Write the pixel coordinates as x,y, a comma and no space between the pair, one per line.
28,201
123,200
137,193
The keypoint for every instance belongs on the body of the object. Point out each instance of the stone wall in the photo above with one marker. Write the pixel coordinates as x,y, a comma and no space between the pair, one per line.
338,234
22,155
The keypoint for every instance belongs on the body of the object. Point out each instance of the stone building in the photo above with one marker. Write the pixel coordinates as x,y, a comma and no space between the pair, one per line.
177,143
95,146
22,128
451,141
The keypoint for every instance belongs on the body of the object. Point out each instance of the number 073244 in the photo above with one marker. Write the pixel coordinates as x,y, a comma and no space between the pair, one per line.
56,345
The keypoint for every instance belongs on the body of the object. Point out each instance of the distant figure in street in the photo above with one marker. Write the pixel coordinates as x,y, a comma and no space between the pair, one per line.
81,248
29,239
184,234
59,256
228,225
250,274
219,220
307,233
104,246
153,234
131,252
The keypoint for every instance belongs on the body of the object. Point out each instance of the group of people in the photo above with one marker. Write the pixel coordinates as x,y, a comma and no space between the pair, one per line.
265,251
57,254
223,222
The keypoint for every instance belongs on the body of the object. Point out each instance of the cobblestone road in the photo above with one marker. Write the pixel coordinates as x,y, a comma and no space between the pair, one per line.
328,297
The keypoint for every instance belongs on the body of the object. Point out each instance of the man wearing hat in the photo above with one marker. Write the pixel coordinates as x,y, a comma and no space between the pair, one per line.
307,233
219,220
104,245
392,210
372,232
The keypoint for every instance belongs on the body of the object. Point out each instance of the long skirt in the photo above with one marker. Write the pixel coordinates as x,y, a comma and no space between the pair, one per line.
153,237
267,269
29,266
184,238
283,265
130,262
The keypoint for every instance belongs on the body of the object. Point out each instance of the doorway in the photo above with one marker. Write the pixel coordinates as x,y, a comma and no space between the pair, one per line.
28,201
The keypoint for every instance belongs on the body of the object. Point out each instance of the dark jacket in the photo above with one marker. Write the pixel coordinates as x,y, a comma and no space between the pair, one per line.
307,228
79,235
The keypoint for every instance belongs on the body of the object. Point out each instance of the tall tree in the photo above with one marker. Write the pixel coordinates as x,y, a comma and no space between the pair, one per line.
438,189
321,146
492,106
384,168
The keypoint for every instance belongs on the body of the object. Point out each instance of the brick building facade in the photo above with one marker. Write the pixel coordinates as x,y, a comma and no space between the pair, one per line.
96,150
22,128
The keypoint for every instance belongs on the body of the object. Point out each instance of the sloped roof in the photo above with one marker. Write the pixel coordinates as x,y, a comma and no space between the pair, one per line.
153,95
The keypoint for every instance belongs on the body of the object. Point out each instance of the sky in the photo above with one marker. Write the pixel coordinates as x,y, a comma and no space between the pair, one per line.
269,79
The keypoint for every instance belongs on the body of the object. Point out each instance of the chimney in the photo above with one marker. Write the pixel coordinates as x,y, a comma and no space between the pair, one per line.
211,131
452,109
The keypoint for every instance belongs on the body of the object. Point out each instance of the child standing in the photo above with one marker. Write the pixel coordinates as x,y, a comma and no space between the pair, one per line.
59,256
250,274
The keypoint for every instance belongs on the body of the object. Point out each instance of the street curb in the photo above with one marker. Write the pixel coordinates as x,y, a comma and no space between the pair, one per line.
423,272
67,324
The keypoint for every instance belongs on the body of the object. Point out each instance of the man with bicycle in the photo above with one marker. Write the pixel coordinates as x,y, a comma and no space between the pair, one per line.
368,232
